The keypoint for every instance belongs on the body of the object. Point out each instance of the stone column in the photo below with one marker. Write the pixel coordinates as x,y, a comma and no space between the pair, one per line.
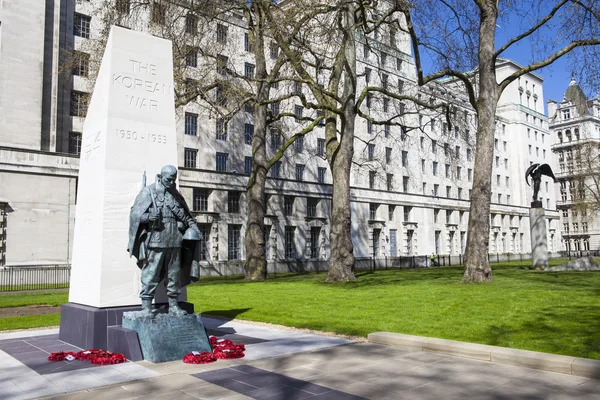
539,246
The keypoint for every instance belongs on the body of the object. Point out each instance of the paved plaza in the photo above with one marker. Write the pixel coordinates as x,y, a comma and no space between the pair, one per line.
279,364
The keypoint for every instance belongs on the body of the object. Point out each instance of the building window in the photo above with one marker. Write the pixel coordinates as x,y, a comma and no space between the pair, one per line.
321,174
221,34
81,25
247,43
221,96
75,143
367,75
388,155
221,128
273,50
222,162
424,187
275,108
200,202
288,205
248,165
447,170
422,165
407,211
191,24
459,193
320,147
386,104
469,174
387,130
248,133
391,210
290,239
275,139
249,70
458,173
370,151
158,12
79,103
204,240
299,144
81,63
448,191
233,242
405,184
311,206
436,215
233,201
276,170
189,158
315,232
222,62
298,111
191,124
435,166
448,216
191,57
297,88
373,211
372,179
436,189
383,59
300,172
434,146
390,182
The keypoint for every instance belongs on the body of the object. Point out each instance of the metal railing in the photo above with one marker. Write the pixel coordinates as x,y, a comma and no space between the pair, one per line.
34,277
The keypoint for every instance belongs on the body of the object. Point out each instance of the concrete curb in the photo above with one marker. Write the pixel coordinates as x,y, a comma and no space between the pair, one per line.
523,358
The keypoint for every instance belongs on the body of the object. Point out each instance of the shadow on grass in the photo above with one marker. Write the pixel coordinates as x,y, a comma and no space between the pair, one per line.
573,331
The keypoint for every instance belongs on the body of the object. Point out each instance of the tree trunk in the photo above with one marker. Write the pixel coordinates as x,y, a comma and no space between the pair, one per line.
256,263
255,266
477,266
341,261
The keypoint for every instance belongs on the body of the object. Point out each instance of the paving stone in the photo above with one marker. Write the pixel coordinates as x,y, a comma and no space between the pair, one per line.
71,381
209,391
162,384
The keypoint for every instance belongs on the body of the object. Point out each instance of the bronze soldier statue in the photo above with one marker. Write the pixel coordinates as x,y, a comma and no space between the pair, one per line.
535,171
159,222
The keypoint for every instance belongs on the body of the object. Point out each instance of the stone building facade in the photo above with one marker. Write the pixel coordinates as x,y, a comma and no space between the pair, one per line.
410,187
575,127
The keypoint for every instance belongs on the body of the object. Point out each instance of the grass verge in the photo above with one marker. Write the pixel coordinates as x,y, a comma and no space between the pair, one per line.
540,311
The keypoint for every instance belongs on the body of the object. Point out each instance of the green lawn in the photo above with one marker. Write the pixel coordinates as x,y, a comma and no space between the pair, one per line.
550,312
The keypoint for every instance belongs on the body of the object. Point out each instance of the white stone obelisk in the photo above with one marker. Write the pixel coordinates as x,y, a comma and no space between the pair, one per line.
129,129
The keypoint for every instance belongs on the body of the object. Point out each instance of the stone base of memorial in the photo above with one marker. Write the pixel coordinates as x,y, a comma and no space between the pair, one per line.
580,264
539,244
168,337
91,327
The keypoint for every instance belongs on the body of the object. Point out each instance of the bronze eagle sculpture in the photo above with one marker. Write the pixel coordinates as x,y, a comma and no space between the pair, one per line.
535,171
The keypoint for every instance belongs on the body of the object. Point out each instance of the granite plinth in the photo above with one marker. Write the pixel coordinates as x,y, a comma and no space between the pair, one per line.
86,326
580,264
168,337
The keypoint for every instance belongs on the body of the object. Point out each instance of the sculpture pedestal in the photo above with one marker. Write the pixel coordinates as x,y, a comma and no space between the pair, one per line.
539,240
167,337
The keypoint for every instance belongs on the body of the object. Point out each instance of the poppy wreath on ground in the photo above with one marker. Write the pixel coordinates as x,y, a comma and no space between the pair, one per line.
95,356
223,349
201,358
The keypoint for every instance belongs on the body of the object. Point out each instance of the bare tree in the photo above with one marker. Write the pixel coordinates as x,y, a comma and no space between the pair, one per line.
460,36
202,74
324,57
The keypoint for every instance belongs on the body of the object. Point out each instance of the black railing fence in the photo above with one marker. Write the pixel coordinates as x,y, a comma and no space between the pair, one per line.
34,277
15,278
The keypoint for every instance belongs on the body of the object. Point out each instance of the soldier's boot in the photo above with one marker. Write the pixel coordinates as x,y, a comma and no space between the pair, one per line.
147,308
174,308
